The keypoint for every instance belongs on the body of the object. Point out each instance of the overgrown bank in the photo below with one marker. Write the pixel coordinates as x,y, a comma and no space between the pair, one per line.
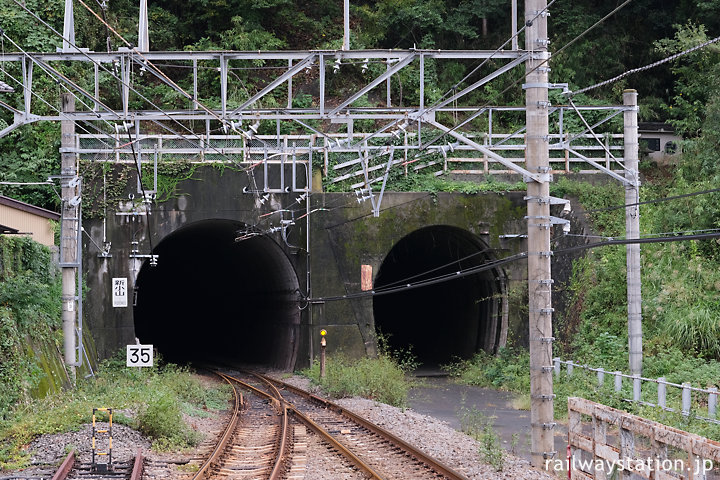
680,286
152,400
30,321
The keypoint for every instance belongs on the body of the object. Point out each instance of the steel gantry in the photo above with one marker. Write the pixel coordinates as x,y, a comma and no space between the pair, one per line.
337,106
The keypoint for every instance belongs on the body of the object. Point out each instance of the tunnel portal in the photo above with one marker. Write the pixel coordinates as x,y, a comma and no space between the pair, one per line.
212,298
444,321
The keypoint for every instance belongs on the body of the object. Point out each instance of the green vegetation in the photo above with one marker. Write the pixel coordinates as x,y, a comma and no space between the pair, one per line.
681,311
29,319
480,427
159,395
383,378
379,379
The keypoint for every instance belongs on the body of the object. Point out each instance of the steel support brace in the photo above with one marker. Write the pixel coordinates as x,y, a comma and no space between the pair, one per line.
599,167
480,148
388,73
291,72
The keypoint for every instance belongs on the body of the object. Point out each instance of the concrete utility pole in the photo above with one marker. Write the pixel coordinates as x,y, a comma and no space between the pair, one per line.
632,231
69,225
537,160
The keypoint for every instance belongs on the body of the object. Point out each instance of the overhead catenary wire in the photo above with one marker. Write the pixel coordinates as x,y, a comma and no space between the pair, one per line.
656,200
130,87
188,95
647,67
53,107
496,263
541,64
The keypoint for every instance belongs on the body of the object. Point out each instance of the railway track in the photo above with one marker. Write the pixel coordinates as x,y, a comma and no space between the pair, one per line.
69,469
267,438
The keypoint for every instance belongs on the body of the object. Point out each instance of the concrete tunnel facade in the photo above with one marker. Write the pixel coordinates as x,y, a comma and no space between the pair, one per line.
245,297
212,297
443,321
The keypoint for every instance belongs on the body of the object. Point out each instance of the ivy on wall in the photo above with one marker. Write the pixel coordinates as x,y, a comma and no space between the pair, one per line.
106,184
30,313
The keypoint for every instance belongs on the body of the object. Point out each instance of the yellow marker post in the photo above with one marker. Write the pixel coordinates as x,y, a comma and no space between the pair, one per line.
323,344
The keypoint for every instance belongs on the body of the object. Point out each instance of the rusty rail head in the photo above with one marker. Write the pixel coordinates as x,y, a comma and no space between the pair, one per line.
420,455
279,404
217,451
137,470
65,467
276,471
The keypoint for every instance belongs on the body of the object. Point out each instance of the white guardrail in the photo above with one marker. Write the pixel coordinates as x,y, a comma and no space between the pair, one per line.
686,389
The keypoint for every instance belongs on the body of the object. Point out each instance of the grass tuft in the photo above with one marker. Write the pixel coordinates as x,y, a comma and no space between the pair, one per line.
380,379
159,395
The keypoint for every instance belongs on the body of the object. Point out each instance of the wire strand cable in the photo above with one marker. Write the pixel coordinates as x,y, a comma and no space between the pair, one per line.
647,67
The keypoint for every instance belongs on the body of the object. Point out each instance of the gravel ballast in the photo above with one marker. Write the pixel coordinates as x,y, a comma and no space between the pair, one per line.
435,437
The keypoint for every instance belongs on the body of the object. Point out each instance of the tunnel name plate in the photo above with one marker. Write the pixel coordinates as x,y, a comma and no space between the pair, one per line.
119,292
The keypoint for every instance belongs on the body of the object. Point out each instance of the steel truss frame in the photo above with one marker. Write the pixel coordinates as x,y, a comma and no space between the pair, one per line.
229,133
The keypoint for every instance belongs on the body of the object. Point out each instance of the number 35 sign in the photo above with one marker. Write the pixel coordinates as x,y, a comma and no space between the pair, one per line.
139,356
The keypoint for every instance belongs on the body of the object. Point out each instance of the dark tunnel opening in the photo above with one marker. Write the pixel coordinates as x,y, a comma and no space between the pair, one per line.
212,298
445,321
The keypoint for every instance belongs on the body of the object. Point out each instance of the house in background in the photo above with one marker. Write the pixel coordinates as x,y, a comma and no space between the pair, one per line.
658,141
20,218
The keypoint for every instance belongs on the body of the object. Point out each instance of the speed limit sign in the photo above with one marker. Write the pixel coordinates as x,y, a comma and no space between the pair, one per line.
139,356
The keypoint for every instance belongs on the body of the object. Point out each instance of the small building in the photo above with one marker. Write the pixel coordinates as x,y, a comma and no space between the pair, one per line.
20,218
658,141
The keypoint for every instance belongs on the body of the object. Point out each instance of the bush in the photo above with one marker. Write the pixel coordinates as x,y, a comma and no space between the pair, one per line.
509,370
379,379
159,394
161,420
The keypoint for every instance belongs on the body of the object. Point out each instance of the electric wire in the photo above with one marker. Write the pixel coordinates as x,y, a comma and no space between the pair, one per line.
479,111
496,263
55,108
656,200
563,48
647,67
130,87
188,96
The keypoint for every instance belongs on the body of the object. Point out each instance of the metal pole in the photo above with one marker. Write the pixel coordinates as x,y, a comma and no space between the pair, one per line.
323,344
143,36
538,207
68,28
632,230
514,24
346,22
69,234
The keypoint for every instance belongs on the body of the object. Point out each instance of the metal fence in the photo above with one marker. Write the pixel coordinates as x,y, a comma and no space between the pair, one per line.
705,399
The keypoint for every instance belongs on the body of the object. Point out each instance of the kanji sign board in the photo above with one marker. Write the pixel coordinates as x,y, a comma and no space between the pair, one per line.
119,292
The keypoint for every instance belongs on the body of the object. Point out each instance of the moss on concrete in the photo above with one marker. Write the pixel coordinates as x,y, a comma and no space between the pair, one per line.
31,363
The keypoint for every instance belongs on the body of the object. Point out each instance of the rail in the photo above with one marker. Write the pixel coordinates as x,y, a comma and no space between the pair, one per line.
436,465
227,433
685,390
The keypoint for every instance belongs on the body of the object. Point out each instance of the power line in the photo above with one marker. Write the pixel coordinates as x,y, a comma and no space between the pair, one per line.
130,87
514,83
648,67
657,200
490,265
